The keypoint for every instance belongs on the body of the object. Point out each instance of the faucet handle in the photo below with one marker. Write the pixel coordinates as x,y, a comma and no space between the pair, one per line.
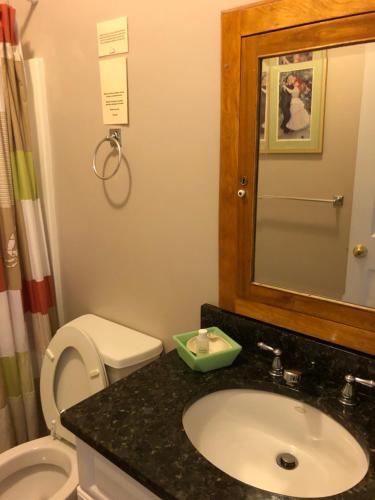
362,381
265,347
348,396
277,367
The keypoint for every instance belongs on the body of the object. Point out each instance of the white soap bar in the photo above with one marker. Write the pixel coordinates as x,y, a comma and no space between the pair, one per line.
213,346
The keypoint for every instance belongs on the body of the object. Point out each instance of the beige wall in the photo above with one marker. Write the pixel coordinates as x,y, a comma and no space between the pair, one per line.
151,261
300,245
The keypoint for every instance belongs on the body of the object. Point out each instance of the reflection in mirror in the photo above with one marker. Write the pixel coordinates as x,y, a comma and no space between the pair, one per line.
315,217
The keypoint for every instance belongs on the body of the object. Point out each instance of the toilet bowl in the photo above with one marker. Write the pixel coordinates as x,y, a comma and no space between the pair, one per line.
41,469
82,358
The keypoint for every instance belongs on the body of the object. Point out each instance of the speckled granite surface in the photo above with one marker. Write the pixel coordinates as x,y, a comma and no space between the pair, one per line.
137,422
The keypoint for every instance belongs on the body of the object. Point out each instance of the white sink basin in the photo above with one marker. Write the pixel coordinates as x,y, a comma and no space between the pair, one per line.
242,431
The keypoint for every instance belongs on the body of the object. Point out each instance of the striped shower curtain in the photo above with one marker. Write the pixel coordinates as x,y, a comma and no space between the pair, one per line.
26,288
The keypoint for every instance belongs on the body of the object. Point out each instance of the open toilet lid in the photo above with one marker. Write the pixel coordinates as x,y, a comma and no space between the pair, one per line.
72,370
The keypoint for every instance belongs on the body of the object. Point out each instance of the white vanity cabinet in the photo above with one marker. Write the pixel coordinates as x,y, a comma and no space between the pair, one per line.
100,479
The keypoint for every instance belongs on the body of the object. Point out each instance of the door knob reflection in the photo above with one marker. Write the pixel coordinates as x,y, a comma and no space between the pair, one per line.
360,250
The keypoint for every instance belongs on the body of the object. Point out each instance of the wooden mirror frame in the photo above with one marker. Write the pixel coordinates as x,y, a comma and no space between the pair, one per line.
248,34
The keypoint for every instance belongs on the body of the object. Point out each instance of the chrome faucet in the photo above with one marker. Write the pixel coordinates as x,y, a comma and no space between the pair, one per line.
292,377
277,367
348,392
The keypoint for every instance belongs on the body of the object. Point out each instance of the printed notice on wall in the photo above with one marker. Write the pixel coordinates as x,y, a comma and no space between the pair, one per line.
113,79
112,36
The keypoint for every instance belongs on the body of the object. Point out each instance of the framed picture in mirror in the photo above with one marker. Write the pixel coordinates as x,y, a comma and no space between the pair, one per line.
264,107
295,101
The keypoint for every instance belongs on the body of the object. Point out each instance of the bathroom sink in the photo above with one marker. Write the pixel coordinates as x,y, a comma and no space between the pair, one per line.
275,443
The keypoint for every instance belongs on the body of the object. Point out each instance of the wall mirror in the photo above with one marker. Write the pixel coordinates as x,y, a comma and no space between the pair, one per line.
315,206
297,195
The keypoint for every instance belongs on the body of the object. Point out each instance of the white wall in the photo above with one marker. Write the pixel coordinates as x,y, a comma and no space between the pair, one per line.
148,259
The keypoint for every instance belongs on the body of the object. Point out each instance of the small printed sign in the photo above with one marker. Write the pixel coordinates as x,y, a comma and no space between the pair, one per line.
113,79
112,37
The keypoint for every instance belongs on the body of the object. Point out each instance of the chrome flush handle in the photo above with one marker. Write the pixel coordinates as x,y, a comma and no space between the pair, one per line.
348,392
277,367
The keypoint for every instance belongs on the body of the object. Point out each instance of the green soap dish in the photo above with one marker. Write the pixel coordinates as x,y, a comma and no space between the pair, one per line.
211,361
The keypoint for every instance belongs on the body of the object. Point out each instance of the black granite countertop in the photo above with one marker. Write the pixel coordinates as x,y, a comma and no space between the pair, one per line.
137,424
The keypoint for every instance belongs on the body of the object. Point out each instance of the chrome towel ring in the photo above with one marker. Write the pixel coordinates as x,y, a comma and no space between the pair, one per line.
114,138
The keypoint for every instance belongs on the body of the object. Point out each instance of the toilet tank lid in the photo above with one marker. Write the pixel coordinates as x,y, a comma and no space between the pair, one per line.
118,345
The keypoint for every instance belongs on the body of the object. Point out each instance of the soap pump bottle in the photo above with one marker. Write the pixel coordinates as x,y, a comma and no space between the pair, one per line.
202,342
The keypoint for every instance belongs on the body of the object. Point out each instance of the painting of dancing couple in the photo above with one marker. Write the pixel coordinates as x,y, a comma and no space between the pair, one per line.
295,89
291,103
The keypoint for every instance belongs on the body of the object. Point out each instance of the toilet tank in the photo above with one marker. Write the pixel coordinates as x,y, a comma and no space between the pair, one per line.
122,349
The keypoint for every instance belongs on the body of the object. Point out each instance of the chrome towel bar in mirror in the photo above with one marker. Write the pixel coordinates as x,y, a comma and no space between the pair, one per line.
336,201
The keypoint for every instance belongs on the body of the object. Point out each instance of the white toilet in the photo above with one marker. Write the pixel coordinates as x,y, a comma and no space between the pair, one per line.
85,356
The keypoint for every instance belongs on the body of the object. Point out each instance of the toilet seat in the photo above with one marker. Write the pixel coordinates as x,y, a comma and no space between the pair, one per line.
43,468
71,351
72,370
